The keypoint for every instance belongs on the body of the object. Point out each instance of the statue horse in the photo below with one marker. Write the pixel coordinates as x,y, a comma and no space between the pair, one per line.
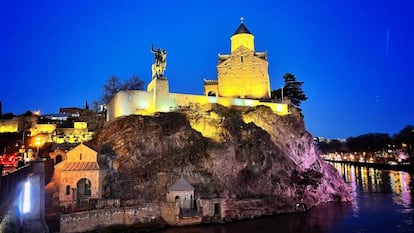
158,69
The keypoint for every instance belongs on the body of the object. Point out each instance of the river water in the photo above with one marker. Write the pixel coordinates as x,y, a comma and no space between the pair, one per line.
383,203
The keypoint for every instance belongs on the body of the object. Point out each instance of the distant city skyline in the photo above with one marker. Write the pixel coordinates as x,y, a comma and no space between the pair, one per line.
355,58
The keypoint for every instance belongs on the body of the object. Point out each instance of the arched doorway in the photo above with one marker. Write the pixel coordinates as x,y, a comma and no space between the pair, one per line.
212,93
58,159
83,191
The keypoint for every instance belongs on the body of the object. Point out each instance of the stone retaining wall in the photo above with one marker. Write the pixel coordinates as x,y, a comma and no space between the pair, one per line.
89,220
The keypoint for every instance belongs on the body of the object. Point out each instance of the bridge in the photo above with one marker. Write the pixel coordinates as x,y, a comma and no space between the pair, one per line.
22,199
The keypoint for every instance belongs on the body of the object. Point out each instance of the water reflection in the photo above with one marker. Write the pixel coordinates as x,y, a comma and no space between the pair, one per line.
317,220
383,202
378,181
400,186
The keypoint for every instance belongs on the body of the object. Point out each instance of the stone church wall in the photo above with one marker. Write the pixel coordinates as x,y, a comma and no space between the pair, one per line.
243,75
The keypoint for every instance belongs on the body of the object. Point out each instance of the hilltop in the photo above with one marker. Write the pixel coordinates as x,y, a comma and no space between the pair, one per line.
238,153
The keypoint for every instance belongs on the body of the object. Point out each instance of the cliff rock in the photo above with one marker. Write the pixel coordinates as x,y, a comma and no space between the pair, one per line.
232,153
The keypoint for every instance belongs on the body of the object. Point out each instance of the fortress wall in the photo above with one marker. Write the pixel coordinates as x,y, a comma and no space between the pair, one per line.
127,103
42,128
9,126
186,100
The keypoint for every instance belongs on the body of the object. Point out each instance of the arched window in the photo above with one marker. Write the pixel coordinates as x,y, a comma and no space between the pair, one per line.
67,189
211,93
58,159
80,156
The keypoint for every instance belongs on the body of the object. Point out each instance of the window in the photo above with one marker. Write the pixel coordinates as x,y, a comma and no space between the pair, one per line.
211,93
67,189
80,156
241,59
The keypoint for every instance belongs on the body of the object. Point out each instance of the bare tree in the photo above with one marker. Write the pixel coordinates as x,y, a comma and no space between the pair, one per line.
114,85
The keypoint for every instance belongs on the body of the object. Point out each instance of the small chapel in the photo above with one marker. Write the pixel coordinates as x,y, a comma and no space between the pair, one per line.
242,80
79,177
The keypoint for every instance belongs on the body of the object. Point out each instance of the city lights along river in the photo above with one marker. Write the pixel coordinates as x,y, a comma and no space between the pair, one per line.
383,203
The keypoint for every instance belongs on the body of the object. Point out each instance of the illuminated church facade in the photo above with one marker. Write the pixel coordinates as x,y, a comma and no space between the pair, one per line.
242,80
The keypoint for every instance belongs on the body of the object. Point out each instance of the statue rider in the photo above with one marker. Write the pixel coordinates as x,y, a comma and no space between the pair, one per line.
160,62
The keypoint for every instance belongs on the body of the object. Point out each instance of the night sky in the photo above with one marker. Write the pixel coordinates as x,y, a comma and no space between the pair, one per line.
356,58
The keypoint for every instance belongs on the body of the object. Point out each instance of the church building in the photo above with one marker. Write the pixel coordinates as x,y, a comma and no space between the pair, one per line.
242,80
243,73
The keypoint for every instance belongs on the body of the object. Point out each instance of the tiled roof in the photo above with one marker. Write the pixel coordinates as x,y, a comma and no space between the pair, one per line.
242,29
79,166
181,185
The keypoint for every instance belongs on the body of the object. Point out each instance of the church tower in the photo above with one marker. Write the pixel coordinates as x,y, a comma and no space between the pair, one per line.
242,37
244,72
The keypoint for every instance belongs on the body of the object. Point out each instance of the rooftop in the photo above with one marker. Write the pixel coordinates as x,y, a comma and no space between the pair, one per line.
181,185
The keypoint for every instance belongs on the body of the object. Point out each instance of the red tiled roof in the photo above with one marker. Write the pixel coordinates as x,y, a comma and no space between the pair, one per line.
80,166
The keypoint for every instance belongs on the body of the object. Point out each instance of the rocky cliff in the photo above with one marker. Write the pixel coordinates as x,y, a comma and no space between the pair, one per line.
231,153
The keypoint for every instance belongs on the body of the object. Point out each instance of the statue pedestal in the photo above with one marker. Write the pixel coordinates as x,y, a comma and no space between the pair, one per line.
159,91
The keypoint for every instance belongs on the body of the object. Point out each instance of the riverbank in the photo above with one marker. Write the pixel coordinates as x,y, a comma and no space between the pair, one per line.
380,166
379,194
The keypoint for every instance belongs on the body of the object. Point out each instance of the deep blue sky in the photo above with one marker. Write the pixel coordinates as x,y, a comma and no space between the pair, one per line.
356,58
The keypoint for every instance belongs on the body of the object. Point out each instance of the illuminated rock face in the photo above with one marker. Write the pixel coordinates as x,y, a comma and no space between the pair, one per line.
234,154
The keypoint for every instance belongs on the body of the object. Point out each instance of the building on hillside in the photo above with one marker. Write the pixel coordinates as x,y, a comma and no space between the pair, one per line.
72,111
243,73
180,208
58,155
183,192
17,124
80,177
243,80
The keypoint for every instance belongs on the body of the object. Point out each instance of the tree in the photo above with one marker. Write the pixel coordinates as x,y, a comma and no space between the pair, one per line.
27,113
133,83
276,95
86,106
7,116
110,88
333,146
369,142
114,85
406,136
293,90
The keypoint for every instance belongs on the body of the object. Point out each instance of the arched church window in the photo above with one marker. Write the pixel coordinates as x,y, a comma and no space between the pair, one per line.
211,93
